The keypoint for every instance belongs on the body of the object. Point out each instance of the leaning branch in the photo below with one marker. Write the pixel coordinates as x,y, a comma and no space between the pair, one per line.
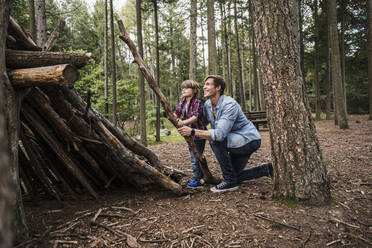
154,86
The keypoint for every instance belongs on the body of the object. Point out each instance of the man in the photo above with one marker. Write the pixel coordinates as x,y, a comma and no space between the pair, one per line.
233,137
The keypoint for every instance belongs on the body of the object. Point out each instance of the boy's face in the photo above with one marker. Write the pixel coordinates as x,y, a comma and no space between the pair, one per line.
187,92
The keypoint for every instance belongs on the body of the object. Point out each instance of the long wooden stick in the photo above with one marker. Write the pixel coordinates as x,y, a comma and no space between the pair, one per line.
154,86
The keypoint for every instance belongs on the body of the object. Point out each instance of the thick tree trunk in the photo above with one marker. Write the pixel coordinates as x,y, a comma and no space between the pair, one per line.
152,83
18,59
238,59
299,170
212,51
369,3
6,188
336,66
43,76
41,23
193,44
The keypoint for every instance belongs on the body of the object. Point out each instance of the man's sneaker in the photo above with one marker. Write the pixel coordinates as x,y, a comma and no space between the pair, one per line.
195,184
224,186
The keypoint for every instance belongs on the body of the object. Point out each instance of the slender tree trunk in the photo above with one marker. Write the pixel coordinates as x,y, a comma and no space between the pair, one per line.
316,62
302,50
202,39
329,74
32,19
238,60
142,80
212,51
41,23
299,170
336,66
342,51
113,64
369,3
7,198
193,44
106,62
256,94
231,82
223,40
157,74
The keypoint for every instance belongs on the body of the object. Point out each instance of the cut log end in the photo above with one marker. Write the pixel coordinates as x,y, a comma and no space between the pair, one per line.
70,74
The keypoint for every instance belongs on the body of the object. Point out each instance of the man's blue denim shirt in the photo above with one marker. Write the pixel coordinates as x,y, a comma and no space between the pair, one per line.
230,122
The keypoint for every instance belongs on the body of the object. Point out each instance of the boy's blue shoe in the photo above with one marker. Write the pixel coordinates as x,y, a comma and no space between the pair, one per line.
195,184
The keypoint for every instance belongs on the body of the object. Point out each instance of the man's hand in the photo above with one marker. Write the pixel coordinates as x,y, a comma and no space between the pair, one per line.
184,131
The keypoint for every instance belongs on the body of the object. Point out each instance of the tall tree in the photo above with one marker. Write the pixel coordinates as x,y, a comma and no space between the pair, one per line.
6,190
369,39
316,61
141,80
157,124
41,23
106,59
238,59
299,170
32,18
223,40
212,50
193,20
342,50
336,66
230,82
113,64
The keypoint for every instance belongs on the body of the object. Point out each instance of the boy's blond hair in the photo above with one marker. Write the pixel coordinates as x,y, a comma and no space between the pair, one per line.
193,85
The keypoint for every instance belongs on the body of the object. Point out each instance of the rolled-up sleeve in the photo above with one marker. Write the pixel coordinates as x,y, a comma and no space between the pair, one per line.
225,123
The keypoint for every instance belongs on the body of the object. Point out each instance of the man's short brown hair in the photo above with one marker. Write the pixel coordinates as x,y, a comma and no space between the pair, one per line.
193,85
218,81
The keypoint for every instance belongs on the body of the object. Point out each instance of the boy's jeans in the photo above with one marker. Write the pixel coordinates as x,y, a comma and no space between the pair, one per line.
198,174
233,161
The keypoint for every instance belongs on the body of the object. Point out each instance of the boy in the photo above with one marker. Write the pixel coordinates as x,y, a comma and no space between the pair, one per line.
189,113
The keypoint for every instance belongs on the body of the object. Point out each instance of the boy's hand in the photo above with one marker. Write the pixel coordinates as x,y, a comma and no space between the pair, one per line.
180,123
184,131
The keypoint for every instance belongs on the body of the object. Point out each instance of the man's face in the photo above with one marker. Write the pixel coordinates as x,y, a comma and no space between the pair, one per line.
209,89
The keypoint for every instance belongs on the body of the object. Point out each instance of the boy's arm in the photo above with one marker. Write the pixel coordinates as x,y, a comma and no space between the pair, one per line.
192,119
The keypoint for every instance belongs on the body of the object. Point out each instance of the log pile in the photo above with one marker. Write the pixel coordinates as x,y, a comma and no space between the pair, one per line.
66,147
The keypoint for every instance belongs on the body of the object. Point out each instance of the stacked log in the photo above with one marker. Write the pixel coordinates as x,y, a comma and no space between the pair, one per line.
66,147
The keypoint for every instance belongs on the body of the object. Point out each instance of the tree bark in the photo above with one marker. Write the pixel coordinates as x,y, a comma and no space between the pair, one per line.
336,66
230,81
41,23
316,62
43,76
299,170
223,41
369,3
17,59
157,74
193,54
152,83
106,62
256,92
238,59
22,40
113,64
212,51
32,18
7,196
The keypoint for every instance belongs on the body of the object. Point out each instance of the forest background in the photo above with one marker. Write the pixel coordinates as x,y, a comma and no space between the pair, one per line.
84,32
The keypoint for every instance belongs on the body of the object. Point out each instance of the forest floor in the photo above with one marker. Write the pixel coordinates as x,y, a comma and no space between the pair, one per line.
204,219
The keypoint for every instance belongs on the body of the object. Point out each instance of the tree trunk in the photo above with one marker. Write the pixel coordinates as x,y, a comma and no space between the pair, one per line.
43,76
7,193
299,170
106,61
41,23
230,81
342,50
302,50
17,59
142,80
212,51
370,56
32,18
316,62
54,36
329,75
238,60
336,66
223,40
157,74
113,64
193,44
202,39
256,93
